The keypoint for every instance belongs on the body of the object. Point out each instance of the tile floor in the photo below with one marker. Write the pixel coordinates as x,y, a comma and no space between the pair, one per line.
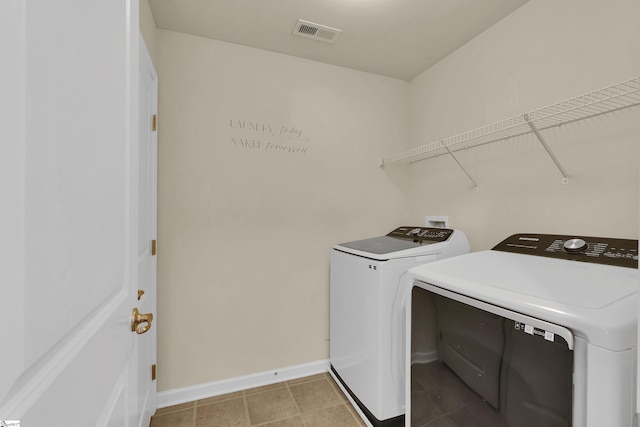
314,401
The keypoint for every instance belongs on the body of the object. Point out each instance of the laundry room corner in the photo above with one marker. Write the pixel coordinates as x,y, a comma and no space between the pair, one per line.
338,213
265,162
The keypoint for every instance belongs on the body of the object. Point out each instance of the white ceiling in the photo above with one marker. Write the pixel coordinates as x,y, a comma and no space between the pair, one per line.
395,38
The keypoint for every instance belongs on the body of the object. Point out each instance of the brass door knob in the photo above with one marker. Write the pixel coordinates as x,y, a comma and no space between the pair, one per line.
138,319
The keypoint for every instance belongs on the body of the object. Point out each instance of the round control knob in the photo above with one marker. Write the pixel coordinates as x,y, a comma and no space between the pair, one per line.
415,232
575,245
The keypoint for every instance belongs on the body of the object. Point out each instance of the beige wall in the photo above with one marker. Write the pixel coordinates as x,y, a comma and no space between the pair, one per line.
545,52
148,28
245,228
247,216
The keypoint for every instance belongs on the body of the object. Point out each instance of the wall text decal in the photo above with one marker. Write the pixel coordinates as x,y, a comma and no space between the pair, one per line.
263,136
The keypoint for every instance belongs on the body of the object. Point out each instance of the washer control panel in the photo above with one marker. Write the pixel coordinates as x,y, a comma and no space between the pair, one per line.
422,234
599,250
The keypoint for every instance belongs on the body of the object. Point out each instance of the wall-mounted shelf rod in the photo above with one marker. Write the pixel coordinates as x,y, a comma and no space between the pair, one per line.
463,169
534,129
603,101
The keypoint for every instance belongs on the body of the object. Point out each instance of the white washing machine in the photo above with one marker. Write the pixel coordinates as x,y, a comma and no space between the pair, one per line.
542,329
367,314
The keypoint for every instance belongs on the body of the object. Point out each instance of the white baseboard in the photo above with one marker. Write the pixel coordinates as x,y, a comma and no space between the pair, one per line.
216,388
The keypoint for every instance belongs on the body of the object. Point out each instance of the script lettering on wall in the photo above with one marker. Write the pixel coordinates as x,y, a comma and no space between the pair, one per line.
253,135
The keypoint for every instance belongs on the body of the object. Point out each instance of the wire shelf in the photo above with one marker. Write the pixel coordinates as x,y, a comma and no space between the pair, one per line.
613,98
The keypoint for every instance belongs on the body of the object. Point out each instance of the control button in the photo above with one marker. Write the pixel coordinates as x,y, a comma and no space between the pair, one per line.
415,232
575,245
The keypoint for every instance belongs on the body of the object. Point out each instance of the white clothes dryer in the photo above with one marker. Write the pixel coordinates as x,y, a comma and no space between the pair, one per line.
542,329
367,315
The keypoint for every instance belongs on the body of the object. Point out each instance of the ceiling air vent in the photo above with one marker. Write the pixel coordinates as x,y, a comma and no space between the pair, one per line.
316,31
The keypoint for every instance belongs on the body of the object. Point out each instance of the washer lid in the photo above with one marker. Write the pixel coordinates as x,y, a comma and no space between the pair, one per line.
381,245
402,242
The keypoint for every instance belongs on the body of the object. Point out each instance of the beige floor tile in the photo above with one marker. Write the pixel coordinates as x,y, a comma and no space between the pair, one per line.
175,408
289,422
220,398
182,418
336,387
332,416
270,406
308,379
314,401
227,413
355,415
315,394
264,388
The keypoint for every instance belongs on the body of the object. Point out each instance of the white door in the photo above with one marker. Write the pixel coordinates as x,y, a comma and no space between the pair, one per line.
69,212
147,209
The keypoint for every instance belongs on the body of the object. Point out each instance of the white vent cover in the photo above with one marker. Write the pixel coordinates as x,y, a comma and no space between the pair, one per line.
316,31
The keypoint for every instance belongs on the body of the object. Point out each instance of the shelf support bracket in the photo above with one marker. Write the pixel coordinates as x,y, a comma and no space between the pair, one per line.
536,132
461,167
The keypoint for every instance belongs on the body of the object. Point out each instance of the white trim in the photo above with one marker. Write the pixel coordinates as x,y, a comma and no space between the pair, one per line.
216,388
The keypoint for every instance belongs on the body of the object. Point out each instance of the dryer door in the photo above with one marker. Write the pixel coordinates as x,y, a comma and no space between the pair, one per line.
536,379
518,369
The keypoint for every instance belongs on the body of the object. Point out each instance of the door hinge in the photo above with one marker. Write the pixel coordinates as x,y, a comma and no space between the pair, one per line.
154,122
153,247
153,372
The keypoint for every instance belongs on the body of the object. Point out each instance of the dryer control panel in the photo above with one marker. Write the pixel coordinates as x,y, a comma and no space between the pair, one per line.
422,234
599,250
